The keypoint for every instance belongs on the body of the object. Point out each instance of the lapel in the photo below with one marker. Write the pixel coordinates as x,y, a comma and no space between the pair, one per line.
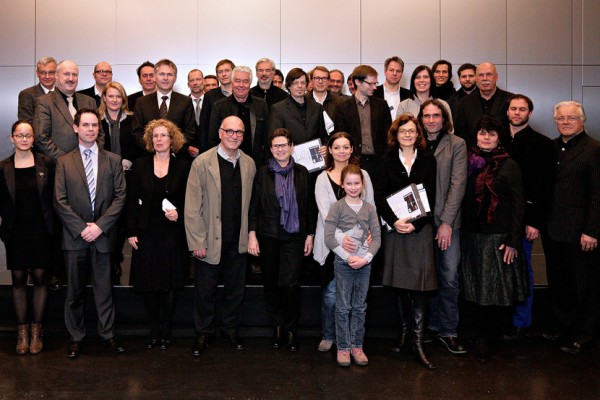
38,90
60,104
213,169
40,173
9,175
355,117
293,110
573,153
103,164
442,145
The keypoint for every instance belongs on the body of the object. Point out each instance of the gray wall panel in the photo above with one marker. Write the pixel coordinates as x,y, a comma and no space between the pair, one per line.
17,30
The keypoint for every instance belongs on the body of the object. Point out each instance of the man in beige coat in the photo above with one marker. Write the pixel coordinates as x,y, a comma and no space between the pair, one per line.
216,224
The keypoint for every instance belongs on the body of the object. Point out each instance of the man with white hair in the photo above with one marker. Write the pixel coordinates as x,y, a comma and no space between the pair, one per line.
46,73
264,89
253,112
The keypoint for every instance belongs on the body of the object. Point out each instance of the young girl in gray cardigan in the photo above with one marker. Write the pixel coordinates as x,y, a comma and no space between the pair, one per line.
356,219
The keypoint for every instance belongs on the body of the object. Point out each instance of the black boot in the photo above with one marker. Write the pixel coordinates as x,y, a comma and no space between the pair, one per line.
419,307
277,337
401,340
404,315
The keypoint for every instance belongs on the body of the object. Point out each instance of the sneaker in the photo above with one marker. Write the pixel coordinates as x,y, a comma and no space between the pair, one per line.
325,345
343,358
359,357
452,344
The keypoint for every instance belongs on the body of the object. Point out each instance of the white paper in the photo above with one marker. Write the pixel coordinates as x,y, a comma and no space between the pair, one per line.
307,154
328,123
407,203
167,205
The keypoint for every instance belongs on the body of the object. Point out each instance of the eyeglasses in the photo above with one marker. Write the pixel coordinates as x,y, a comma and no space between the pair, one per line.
103,72
320,78
405,131
47,73
281,146
570,118
20,136
371,83
231,132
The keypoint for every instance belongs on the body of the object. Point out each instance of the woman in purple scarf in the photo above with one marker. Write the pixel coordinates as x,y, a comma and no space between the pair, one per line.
493,273
281,226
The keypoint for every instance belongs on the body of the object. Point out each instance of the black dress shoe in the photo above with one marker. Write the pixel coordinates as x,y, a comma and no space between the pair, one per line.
152,342
293,344
235,341
73,349
199,345
577,346
55,284
452,344
482,351
114,345
165,343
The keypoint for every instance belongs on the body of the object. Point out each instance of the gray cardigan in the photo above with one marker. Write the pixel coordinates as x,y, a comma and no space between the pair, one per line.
342,217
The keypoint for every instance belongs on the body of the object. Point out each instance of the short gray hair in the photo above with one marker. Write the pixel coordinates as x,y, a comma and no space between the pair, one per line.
45,61
242,68
264,60
569,103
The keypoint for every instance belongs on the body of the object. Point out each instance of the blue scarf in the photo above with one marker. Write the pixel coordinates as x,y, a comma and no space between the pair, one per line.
286,195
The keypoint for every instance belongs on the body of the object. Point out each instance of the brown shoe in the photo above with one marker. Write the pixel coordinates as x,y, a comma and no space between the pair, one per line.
36,344
23,339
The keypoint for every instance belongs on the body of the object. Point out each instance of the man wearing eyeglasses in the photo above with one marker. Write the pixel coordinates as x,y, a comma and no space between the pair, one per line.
365,117
217,201
489,100
102,75
572,256
321,94
264,89
253,112
46,73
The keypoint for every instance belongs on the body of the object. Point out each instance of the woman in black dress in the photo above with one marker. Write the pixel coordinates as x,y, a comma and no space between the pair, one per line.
493,273
26,188
409,265
155,229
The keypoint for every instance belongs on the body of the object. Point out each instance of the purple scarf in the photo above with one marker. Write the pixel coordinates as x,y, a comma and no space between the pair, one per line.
286,195
484,165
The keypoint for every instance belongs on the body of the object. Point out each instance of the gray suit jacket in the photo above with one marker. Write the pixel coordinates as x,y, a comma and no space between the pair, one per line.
53,124
27,99
451,180
73,205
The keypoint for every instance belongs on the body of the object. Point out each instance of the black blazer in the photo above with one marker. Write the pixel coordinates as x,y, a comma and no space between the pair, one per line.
534,153
141,187
133,98
181,113
347,120
575,205
404,93
265,211
128,149
91,91
210,98
44,172
469,112
26,104
285,114
392,177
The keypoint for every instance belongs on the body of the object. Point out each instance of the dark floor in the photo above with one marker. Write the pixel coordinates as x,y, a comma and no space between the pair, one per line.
531,370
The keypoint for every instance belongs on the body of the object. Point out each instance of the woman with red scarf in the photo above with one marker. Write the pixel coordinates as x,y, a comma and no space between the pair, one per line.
493,273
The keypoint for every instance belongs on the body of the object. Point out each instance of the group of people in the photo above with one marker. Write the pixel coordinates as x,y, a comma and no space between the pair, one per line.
213,174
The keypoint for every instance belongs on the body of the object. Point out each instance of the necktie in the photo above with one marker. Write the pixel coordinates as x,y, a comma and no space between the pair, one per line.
71,107
162,113
89,174
198,101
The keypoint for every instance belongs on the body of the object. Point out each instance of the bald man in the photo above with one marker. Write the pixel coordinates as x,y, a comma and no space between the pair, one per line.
102,75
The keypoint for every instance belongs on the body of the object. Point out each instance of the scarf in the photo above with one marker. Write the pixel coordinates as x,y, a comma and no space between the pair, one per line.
114,132
286,195
485,166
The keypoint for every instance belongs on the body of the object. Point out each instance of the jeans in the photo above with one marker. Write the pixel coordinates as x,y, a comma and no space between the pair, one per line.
443,307
522,315
352,286
328,311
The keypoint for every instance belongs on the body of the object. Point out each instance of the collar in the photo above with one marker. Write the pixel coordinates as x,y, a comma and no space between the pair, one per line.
159,95
226,157
361,102
94,148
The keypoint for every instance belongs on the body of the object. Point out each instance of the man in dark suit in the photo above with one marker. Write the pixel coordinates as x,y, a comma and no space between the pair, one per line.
391,91
102,75
167,104
195,81
264,89
466,78
145,73
365,117
253,112
534,153
572,256
321,94
89,197
489,100
46,73
53,116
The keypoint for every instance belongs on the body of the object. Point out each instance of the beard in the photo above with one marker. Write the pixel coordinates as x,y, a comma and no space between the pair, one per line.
522,122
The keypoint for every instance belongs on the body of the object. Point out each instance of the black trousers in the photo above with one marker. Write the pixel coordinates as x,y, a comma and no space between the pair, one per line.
281,262
232,268
573,279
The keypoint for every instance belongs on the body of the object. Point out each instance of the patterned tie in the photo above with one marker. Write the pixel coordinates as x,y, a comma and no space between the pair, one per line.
198,109
89,174
162,113
71,107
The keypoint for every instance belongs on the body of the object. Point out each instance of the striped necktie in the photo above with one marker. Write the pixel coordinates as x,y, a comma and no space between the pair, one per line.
89,174
162,112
